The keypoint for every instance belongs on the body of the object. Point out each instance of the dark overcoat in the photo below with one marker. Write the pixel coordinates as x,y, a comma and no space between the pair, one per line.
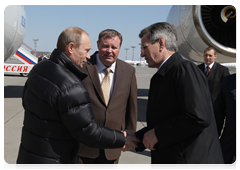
180,110
215,77
225,114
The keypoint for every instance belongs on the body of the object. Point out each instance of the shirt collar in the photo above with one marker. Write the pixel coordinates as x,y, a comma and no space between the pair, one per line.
101,66
164,62
210,66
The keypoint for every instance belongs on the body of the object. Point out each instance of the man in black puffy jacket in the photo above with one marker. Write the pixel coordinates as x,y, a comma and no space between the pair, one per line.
58,113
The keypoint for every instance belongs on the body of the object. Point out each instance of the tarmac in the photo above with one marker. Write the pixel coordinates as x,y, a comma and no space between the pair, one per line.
14,114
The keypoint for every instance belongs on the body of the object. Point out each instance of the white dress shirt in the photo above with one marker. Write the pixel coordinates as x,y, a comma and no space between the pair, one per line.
102,73
210,67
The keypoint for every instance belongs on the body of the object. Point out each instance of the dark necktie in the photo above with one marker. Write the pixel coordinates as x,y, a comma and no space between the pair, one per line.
207,72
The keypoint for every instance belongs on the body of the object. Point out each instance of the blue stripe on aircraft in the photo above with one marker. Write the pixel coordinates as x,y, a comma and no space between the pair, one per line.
32,62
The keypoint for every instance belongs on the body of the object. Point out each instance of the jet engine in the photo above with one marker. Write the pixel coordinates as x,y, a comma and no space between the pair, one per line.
200,26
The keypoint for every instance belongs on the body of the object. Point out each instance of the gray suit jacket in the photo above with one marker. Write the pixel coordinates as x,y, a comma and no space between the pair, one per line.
121,112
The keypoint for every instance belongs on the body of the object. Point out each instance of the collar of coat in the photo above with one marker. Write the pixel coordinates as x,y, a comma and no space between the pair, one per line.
61,59
168,64
93,59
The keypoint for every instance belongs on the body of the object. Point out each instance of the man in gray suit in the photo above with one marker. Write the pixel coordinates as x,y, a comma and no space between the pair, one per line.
117,109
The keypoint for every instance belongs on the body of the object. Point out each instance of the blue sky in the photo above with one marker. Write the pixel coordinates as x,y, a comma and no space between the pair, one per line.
46,22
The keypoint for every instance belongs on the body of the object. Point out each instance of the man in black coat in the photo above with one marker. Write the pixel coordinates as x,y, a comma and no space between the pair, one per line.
181,128
225,114
58,113
215,73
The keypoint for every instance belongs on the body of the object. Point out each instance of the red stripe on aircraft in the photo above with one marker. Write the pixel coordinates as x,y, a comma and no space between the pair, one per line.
23,58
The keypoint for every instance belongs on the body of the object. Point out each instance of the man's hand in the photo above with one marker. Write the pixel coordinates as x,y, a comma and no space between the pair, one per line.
128,132
150,139
131,141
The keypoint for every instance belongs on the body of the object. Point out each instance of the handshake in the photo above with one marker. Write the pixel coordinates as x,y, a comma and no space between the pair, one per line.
131,141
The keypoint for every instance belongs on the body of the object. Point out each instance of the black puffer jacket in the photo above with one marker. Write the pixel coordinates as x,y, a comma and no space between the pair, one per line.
58,115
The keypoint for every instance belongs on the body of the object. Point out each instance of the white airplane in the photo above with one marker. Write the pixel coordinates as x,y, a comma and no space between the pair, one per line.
229,65
200,26
15,24
136,63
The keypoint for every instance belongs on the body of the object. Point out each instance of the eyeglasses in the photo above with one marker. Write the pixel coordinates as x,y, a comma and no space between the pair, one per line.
144,46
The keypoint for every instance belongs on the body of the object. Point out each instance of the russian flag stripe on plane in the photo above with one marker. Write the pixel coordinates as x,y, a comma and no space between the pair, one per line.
25,58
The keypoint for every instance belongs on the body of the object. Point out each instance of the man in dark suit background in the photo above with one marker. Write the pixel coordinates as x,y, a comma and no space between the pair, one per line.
119,109
215,73
225,114
181,128
41,57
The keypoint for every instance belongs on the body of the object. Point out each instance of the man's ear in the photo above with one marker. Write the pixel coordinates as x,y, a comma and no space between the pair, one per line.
162,42
98,43
70,47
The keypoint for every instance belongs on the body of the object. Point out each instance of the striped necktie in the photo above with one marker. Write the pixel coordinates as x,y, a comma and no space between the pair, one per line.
207,72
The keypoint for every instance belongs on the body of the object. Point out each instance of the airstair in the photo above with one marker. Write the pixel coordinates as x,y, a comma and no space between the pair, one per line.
22,61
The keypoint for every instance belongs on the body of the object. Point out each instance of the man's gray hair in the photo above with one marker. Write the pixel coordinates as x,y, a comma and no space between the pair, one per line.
162,30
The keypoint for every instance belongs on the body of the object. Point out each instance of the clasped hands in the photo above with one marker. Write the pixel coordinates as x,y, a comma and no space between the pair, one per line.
131,140
149,140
